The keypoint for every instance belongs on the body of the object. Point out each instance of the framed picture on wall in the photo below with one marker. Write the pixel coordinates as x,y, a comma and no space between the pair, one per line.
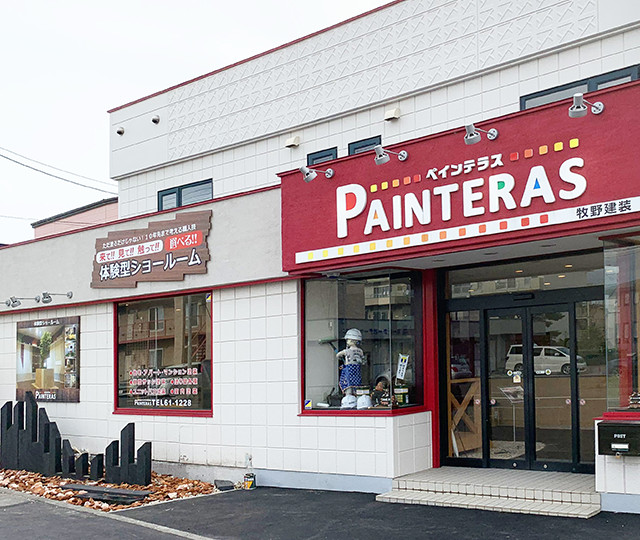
48,359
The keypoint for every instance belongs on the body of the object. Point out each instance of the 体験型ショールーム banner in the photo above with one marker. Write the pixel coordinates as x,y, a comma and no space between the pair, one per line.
163,251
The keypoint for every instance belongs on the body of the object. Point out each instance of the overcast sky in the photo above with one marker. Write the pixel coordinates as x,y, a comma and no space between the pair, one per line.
66,62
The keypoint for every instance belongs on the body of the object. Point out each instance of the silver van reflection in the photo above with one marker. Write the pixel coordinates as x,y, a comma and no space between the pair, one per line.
545,359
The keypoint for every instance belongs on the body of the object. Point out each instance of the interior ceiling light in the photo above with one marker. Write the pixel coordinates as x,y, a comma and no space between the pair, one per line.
519,271
472,136
382,155
309,174
579,109
568,266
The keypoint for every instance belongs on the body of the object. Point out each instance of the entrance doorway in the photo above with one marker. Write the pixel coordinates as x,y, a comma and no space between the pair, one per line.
531,374
524,375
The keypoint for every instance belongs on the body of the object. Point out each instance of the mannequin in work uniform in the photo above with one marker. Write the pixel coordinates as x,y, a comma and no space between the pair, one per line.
352,361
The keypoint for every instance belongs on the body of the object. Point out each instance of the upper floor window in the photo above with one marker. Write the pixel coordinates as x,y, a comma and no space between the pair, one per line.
598,82
364,145
185,195
323,155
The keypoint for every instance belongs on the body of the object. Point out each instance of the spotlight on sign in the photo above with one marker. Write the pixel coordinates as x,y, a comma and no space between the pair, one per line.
382,155
13,302
45,298
579,109
473,134
309,174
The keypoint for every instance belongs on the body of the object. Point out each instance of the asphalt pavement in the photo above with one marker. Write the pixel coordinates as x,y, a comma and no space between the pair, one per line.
290,514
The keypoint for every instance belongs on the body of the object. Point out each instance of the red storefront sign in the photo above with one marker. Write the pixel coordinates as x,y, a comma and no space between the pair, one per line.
546,175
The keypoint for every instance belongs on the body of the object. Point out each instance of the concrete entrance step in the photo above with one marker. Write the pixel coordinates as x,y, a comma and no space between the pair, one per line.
529,492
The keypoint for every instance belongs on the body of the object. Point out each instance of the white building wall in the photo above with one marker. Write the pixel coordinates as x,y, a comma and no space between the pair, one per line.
90,423
256,399
244,244
443,64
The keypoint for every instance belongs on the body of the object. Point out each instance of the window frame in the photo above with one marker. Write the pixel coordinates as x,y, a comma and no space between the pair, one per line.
178,190
322,155
193,413
592,85
157,321
364,145
420,341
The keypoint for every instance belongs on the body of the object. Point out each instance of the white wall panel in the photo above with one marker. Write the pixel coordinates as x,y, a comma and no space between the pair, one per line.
406,48
244,244
482,95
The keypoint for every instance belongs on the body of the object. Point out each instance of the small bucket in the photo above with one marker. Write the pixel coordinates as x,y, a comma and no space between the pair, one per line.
249,481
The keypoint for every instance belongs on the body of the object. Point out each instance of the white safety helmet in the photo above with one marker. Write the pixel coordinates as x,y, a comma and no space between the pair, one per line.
364,402
353,334
349,402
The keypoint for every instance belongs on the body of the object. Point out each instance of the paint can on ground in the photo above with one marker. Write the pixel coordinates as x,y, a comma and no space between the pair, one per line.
249,481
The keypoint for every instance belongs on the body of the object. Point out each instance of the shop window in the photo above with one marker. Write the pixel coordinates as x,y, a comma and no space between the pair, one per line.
622,316
591,84
464,416
164,354
185,195
323,155
364,145
363,343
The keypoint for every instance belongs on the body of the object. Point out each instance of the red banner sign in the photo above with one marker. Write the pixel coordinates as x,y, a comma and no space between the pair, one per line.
545,175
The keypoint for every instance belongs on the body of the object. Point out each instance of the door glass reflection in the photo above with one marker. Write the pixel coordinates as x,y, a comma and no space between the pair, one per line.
506,393
552,368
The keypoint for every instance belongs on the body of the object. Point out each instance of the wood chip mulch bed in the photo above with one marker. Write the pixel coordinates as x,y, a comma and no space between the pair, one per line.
163,487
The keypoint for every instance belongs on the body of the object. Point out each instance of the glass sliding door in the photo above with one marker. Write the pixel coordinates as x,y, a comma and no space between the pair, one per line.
526,363
524,384
552,388
505,373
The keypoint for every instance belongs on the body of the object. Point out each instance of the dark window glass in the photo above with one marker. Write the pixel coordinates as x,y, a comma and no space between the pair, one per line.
185,195
322,156
364,145
196,193
168,200
583,86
